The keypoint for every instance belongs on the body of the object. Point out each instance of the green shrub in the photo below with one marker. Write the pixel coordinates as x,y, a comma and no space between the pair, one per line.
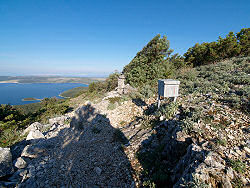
104,86
168,110
152,63
230,46
111,106
238,165
147,91
114,100
13,121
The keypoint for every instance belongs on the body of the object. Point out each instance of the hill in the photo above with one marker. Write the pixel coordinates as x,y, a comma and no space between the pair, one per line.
202,140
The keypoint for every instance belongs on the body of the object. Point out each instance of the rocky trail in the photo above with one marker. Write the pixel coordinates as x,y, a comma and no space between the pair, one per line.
94,146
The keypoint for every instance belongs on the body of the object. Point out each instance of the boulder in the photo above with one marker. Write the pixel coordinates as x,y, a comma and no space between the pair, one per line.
33,127
33,151
20,163
6,166
58,120
35,134
17,149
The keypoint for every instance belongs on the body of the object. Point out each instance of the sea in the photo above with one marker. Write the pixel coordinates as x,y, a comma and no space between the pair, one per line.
13,93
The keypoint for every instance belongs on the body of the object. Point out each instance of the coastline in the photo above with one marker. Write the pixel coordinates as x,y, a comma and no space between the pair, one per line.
16,82
10,82
31,99
63,96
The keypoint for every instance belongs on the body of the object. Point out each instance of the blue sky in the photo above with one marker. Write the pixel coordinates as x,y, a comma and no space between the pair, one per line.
96,37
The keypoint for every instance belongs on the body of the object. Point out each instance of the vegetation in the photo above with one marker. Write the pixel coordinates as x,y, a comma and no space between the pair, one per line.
104,86
238,165
13,119
30,99
152,63
227,81
231,46
75,92
97,89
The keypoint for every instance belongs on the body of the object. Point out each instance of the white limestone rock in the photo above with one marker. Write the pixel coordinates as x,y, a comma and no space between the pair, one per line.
35,134
33,151
33,127
20,163
6,166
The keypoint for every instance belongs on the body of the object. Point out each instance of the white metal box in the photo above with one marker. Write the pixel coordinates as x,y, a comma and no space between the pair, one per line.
168,88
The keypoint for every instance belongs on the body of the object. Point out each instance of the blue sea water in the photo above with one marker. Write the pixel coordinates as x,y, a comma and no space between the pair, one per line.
11,93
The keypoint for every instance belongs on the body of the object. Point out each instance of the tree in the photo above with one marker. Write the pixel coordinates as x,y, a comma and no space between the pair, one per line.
228,47
148,64
243,38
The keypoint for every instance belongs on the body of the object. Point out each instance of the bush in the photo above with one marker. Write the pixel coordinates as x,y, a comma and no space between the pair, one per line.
238,165
13,121
104,86
230,46
152,63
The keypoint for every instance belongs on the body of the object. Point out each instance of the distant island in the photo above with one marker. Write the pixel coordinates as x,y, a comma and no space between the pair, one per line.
31,99
48,79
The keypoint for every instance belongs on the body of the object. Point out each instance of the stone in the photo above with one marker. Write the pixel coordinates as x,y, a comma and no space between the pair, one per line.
87,103
98,171
33,127
20,163
17,176
57,120
33,151
35,134
230,173
6,166
121,85
247,150
161,118
17,149
226,182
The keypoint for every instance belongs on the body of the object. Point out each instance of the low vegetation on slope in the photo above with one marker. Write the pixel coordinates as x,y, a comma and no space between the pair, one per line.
75,92
228,82
206,130
14,118
211,114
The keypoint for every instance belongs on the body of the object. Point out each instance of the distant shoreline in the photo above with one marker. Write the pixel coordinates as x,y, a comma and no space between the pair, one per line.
39,79
31,99
12,82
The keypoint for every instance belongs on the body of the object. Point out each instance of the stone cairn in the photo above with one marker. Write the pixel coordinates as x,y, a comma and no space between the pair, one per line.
121,84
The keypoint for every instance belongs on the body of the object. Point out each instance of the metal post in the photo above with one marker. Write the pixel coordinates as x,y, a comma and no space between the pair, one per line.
159,101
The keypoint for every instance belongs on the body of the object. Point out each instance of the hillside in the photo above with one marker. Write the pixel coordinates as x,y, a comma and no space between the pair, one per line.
115,140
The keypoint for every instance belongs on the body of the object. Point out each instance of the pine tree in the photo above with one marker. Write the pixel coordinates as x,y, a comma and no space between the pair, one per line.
148,64
244,41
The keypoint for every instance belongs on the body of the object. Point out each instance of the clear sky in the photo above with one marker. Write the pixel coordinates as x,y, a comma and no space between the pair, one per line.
96,37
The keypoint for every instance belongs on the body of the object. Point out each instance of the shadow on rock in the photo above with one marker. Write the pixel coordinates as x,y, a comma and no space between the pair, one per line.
86,153
169,156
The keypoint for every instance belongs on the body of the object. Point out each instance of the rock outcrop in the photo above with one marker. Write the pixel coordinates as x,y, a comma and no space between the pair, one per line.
6,166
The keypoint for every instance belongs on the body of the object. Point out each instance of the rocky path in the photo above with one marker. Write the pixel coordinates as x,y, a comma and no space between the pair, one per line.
83,153
95,146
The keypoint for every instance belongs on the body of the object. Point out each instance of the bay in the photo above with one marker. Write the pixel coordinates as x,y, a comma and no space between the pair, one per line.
13,93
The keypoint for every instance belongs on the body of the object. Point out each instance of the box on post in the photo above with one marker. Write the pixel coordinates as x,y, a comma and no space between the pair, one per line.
168,88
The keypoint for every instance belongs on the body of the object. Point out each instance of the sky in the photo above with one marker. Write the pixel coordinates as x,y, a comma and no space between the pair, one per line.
97,37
